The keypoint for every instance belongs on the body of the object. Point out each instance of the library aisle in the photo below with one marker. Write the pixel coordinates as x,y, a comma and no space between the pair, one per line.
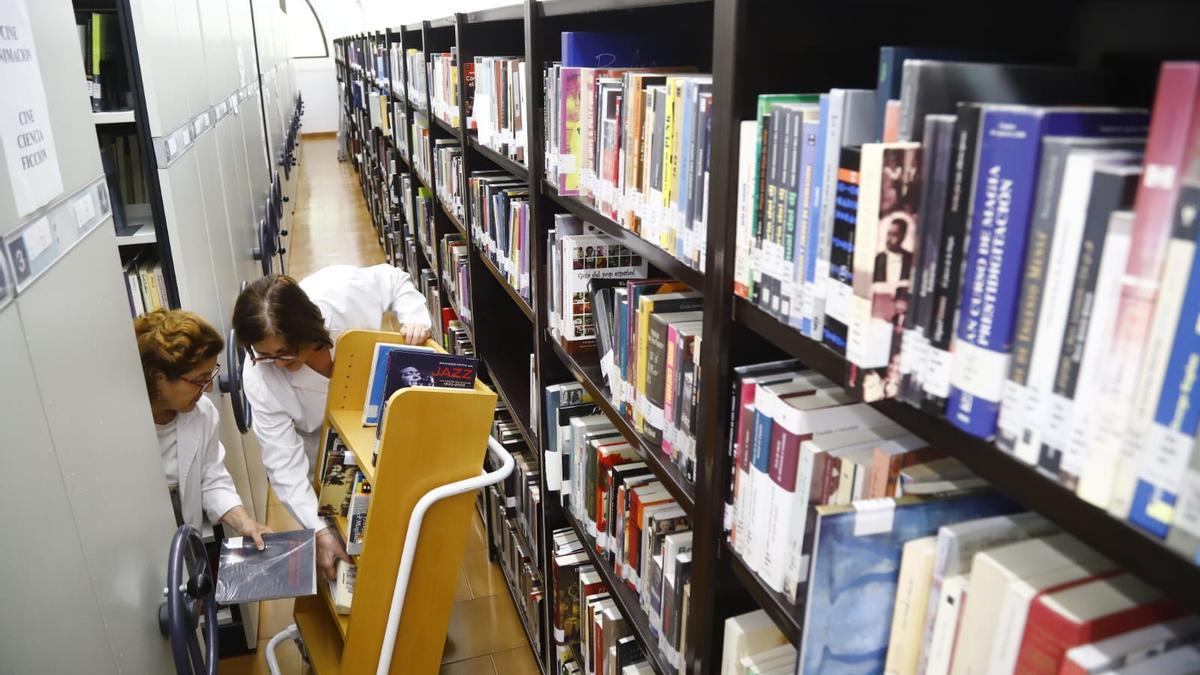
332,227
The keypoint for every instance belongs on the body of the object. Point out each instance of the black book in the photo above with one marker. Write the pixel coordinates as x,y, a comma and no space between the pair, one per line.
951,248
629,652
841,254
286,568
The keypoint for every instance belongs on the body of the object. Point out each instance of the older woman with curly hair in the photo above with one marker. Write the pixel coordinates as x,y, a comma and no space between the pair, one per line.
179,360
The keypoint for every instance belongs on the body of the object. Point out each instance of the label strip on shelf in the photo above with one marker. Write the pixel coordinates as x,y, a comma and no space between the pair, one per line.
50,233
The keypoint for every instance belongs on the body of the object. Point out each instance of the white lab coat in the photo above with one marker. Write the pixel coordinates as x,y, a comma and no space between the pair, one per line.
205,485
289,408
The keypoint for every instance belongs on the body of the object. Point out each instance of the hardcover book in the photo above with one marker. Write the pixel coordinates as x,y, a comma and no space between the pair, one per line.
856,563
285,568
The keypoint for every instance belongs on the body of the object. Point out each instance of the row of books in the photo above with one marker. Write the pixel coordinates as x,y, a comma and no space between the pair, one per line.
418,211
646,334
145,286
103,60
515,508
444,95
395,71
1044,331
128,164
632,138
592,636
877,524
517,564
421,145
499,112
453,260
630,518
417,86
345,493
448,175
501,227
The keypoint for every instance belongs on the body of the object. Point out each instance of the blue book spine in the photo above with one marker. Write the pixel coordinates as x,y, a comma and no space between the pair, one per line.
807,215
1171,437
586,49
815,219
1004,192
1005,187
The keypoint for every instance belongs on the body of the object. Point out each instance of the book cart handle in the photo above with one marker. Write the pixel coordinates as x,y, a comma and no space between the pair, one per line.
414,532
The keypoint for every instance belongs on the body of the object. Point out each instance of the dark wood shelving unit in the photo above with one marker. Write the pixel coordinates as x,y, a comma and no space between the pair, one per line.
515,168
508,289
520,415
449,212
512,593
750,48
789,617
665,262
447,127
588,374
626,600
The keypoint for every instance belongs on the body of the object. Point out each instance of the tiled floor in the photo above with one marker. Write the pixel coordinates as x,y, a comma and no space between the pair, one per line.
485,637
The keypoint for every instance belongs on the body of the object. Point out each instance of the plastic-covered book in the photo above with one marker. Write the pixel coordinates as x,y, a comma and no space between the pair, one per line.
286,568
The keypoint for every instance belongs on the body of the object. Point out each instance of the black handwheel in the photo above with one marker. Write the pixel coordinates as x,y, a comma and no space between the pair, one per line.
231,383
189,591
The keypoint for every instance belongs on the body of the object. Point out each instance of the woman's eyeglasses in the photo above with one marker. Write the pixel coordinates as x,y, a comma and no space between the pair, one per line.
202,383
257,358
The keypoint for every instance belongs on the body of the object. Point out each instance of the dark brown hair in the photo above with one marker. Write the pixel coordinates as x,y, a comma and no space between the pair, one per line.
276,306
173,342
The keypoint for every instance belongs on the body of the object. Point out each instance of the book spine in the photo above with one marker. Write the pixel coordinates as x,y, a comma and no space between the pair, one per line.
1168,444
1042,239
743,267
860,350
809,206
935,168
1173,128
790,201
811,479
935,377
755,494
670,388
806,274
820,244
1004,192
758,220
768,267
1084,299
840,291
782,486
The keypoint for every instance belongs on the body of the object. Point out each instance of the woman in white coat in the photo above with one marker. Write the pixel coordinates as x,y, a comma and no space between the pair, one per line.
290,329
179,353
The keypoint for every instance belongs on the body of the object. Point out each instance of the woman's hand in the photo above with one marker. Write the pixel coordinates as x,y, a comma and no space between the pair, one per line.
414,333
239,519
329,551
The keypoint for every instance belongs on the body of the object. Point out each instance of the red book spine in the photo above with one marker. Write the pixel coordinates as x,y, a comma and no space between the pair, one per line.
1174,124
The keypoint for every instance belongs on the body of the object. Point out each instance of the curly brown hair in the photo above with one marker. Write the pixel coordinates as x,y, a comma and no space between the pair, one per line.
276,306
173,342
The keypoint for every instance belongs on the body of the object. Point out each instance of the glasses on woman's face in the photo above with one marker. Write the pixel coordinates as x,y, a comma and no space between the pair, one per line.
204,382
271,358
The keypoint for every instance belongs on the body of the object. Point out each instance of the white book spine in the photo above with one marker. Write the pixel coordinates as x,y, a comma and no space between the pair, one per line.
1094,471
757,500
945,626
1056,299
1010,627
860,347
796,572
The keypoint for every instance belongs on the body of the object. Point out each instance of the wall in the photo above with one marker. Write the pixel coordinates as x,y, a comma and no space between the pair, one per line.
316,79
